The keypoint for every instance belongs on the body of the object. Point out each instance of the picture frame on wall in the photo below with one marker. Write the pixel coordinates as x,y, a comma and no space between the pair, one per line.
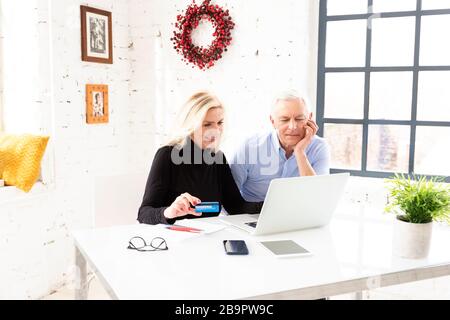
96,35
97,104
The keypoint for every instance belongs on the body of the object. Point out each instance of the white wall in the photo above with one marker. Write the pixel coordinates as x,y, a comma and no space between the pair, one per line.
147,83
36,250
284,33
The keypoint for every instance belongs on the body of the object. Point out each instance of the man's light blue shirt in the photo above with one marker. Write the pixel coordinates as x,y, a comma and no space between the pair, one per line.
261,158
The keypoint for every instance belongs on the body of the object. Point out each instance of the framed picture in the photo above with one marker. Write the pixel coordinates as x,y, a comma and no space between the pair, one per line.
96,35
97,104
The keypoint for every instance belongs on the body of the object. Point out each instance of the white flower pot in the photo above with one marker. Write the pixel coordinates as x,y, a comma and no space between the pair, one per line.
412,240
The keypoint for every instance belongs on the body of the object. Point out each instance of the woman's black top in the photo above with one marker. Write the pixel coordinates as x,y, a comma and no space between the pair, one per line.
201,173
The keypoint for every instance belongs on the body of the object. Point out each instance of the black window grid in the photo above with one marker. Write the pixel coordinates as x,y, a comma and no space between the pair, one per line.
416,68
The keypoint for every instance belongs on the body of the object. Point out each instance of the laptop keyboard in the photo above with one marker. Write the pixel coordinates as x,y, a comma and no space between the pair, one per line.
252,224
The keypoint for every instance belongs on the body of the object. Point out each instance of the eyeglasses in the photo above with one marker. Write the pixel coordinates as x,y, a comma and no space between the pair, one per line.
139,244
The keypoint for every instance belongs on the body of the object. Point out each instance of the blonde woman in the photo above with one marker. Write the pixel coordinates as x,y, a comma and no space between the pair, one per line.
191,169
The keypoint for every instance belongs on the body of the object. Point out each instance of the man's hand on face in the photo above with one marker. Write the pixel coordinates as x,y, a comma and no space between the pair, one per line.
311,129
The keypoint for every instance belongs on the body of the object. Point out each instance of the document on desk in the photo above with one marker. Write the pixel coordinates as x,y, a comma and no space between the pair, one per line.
205,227
149,232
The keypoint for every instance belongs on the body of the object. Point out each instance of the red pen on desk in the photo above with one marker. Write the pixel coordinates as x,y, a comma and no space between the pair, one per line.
185,229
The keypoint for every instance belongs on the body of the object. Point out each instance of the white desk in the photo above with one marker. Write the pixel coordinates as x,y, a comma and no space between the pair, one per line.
353,254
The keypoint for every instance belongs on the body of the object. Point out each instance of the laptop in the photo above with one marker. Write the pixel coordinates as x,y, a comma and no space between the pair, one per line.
294,204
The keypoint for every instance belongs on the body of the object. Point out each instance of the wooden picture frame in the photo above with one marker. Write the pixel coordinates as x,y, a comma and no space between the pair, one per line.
97,104
96,35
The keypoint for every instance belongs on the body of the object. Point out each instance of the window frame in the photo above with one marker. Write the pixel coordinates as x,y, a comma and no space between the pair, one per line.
368,70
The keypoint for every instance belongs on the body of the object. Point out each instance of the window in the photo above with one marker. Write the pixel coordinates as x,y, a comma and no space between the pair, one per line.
383,99
1,111
25,78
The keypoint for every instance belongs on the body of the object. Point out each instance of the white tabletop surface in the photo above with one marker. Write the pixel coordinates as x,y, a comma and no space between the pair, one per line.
356,245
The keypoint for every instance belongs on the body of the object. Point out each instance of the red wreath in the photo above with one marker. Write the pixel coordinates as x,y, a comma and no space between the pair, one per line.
203,58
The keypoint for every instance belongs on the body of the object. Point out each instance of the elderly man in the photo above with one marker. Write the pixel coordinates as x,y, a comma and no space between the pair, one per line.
292,149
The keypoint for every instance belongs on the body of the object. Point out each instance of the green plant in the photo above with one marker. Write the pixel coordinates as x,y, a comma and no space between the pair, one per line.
419,200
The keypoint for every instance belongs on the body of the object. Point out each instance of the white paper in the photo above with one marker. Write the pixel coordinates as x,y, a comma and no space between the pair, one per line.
206,227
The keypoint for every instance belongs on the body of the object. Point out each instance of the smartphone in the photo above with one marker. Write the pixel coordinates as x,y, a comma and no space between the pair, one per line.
235,247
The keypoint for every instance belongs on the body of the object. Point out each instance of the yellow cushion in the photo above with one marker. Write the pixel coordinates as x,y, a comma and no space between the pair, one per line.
20,159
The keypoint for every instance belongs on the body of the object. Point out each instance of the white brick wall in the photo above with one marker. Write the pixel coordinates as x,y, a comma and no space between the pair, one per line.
282,32
36,249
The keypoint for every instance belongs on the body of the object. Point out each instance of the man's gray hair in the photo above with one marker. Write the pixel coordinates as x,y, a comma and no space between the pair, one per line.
289,95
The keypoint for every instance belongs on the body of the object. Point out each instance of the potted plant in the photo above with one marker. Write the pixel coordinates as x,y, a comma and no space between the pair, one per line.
417,202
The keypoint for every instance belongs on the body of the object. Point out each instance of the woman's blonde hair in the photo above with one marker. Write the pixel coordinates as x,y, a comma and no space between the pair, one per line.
191,117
